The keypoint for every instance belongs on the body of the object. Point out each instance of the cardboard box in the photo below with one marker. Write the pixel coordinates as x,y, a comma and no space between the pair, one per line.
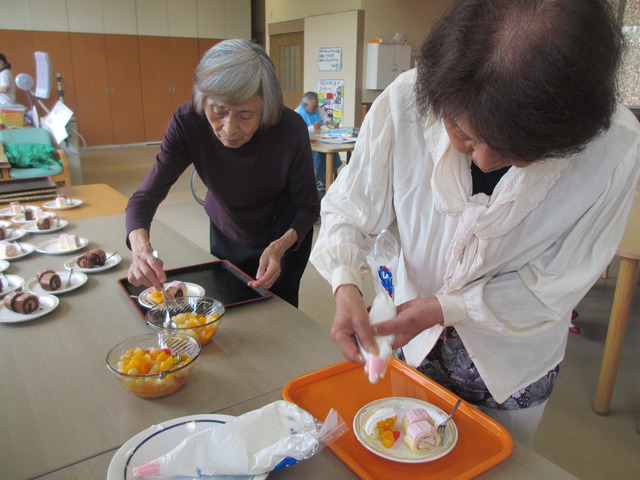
12,116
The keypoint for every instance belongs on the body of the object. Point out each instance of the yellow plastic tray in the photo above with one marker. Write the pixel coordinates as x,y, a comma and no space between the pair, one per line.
482,442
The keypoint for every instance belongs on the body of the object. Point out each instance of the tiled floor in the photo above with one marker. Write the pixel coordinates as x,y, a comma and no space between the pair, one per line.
570,435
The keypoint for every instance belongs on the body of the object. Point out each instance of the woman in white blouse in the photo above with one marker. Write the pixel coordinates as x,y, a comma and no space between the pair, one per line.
507,171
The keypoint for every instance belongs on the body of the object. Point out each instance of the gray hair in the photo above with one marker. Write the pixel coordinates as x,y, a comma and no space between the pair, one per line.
234,71
307,97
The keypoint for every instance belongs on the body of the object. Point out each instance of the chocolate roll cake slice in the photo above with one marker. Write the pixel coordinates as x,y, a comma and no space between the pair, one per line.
21,302
95,257
44,223
50,281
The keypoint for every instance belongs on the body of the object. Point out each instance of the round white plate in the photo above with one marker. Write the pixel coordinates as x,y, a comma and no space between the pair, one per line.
399,451
48,303
6,223
16,283
111,262
338,140
4,265
193,290
20,218
71,203
7,212
51,246
14,234
32,227
26,248
76,281
160,439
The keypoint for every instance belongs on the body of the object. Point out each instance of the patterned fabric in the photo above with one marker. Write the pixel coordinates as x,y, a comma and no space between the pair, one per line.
449,365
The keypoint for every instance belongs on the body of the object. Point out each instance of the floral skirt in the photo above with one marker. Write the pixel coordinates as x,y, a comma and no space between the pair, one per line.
449,364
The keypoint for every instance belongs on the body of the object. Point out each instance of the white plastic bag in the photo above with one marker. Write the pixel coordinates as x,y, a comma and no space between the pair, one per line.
269,438
383,261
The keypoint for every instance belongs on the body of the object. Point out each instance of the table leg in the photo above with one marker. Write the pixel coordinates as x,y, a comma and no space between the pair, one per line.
615,334
329,169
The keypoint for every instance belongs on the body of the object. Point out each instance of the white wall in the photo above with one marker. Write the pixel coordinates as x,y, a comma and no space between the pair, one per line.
174,18
336,30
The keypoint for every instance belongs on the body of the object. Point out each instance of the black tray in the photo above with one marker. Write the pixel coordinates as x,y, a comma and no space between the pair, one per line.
221,280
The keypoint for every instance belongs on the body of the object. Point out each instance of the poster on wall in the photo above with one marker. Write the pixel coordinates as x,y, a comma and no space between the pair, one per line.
330,98
330,59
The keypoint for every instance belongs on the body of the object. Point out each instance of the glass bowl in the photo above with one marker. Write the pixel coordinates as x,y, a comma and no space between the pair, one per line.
198,317
154,365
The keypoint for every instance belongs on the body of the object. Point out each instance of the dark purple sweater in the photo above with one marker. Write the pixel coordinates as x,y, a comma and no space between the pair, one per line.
256,192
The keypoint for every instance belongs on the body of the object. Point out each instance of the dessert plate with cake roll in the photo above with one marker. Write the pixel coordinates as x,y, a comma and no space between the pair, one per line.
19,306
57,282
15,250
175,289
11,234
62,203
93,261
64,244
404,430
45,225
10,283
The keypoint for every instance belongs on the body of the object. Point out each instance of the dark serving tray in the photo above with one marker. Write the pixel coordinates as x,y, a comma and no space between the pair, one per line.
220,279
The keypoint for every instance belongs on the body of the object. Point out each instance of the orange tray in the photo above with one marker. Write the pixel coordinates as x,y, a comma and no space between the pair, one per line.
482,442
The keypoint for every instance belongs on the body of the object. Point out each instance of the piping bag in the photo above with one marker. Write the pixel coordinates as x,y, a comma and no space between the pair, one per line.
383,261
269,438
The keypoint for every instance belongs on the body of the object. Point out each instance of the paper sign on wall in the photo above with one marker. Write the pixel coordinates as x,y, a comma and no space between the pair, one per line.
330,97
330,59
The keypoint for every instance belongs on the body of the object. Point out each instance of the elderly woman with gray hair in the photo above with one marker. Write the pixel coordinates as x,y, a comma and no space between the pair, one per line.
254,156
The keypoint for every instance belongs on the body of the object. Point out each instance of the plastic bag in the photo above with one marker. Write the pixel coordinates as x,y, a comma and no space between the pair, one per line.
269,438
383,261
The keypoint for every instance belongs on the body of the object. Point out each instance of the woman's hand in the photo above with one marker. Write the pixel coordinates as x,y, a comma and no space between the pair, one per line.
145,269
351,320
269,267
413,317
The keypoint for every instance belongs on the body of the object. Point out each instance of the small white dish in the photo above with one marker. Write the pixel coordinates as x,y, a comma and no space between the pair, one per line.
14,234
7,212
32,227
160,439
52,247
193,290
71,203
399,451
20,218
16,282
112,261
4,265
48,303
76,281
25,249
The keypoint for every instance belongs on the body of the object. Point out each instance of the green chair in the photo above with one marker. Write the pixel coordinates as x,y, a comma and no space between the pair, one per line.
34,137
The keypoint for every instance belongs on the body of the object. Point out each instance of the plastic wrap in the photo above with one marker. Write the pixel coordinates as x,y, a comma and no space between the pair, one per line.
269,438
383,261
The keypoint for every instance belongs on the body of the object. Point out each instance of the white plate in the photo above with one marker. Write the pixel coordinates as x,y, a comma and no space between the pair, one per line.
32,227
51,246
71,203
20,218
111,262
7,212
16,283
193,290
48,303
338,140
4,265
14,234
399,451
27,248
77,280
6,223
160,439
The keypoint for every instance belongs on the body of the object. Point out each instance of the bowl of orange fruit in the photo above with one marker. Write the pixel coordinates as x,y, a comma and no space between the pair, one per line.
198,317
154,365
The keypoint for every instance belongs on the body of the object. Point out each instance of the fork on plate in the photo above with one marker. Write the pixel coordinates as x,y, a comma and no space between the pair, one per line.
442,426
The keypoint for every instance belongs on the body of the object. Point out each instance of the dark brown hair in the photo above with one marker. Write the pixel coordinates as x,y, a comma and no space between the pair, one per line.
532,78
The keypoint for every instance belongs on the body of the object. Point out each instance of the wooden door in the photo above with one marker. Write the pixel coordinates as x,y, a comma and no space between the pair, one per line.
92,88
18,48
125,98
287,53
156,82
184,60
